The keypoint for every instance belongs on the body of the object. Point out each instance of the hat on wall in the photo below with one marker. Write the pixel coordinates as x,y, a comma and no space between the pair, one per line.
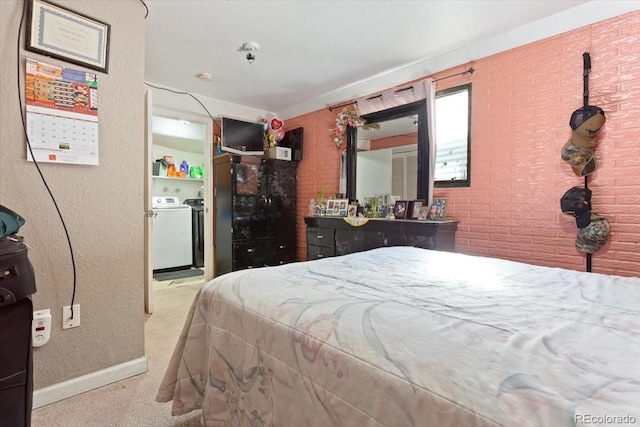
593,237
581,159
585,122
577,201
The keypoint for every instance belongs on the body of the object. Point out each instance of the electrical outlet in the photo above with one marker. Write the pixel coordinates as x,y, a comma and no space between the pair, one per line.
67,321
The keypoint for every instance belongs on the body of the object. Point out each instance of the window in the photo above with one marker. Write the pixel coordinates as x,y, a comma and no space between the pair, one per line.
453,123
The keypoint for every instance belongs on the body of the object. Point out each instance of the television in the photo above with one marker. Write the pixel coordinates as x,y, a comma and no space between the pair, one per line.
243,138
293,139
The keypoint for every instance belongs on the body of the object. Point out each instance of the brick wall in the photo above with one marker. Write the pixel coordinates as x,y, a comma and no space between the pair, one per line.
522,100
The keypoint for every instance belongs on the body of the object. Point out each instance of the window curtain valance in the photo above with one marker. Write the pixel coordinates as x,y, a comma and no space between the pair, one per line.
406,94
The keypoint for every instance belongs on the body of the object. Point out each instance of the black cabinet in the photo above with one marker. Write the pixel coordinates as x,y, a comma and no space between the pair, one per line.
331,236
255,212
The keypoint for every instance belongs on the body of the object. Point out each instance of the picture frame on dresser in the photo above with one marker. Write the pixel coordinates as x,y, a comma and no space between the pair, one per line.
423,213
414,208
401,209
438,210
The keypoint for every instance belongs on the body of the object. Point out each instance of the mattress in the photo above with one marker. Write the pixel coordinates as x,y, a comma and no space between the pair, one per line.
402,336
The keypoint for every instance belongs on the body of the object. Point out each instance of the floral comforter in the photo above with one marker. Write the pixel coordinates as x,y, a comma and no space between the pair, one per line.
402,336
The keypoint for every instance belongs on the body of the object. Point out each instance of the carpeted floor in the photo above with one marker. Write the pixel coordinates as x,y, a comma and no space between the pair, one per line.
132,402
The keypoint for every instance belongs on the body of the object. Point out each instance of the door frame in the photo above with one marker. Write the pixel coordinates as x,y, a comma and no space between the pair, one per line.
208,148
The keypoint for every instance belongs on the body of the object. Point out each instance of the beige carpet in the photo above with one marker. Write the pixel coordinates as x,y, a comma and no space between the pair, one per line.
131,403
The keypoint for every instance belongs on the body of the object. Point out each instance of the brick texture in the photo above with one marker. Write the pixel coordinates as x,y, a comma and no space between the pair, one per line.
522,100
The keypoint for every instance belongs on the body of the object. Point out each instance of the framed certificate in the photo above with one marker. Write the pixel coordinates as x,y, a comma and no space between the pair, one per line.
61,33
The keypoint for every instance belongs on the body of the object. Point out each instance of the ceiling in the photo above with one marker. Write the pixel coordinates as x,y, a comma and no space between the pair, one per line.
315,53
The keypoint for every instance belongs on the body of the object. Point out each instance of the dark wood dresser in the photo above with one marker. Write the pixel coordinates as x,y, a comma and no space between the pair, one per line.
332,236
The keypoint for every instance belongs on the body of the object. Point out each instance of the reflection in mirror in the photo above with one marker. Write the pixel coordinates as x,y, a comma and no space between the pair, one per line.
387,159
393,159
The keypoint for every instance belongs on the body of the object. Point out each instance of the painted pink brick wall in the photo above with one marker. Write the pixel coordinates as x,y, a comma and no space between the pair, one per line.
522,100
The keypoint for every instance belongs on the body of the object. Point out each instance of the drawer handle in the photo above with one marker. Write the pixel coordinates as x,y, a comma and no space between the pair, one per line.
320,256
320,236
250,250
282,246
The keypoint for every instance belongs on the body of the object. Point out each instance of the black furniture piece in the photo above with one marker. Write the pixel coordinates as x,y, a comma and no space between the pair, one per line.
17,284
332,236
197,230
255,200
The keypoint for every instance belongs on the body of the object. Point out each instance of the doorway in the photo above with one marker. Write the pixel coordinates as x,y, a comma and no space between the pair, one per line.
178,240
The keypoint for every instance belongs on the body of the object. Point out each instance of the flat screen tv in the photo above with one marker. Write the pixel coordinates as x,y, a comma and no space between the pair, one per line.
243,138
293,139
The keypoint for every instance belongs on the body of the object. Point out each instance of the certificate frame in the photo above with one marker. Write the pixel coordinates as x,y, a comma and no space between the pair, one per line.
61,33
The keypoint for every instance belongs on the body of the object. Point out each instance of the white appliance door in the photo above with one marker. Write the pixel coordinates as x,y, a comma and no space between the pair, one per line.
172,238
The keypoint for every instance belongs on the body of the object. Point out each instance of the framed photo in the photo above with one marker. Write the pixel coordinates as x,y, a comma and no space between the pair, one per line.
342,205
352,211
414,207
61,33
423,213
438,208
401,209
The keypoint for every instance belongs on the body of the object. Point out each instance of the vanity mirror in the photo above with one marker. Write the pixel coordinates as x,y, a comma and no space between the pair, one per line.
400,146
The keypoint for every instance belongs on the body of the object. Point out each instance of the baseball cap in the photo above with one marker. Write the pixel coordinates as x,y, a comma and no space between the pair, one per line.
581,159
576,201
592,238
585,122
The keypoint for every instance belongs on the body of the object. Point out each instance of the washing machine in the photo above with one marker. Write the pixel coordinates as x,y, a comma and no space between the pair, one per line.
171,241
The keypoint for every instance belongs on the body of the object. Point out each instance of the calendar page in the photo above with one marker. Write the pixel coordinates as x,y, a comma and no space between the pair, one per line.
62,114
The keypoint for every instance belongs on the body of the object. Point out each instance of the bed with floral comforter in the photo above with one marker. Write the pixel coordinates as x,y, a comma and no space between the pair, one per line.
403,336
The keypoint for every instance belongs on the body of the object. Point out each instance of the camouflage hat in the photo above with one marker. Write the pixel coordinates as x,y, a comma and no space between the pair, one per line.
593,237
581,159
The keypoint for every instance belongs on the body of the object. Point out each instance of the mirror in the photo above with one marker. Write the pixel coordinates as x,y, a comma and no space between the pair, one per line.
400,146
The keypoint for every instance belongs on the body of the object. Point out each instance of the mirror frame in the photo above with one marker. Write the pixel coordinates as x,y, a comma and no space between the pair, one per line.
418,108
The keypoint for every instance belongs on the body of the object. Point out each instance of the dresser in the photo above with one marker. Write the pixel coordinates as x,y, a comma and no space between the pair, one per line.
332,236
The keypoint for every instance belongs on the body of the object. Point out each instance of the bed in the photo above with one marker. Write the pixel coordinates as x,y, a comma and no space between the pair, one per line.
402,336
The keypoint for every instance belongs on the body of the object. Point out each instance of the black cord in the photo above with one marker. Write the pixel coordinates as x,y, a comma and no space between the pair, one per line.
145,6
44,181
187,93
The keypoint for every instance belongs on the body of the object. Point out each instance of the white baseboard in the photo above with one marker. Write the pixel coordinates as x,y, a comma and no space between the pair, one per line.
73,387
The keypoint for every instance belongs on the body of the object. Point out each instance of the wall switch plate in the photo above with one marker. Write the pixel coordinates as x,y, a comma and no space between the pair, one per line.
41,327
67,321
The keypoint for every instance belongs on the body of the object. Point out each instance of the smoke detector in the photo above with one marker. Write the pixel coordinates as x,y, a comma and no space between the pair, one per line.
250,48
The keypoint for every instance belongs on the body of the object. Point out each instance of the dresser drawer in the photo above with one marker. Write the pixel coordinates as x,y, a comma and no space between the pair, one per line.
319,236
317,252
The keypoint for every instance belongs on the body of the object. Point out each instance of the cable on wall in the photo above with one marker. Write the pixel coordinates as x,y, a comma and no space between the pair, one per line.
44,181
191,95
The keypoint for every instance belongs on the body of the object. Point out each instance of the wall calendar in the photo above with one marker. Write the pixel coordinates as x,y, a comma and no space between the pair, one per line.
62,114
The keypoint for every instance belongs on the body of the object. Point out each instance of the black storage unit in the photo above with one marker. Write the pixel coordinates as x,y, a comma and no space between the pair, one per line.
17,284
332,236
255,203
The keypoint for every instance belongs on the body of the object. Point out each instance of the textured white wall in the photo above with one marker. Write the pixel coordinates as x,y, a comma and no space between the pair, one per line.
102,205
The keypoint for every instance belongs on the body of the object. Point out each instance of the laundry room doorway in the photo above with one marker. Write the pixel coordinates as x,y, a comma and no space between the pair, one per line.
178,231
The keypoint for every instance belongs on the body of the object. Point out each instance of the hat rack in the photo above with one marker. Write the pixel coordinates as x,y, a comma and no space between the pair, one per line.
586,61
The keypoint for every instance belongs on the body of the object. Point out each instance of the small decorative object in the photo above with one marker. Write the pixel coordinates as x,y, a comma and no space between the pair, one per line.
401,209
437,211
415,206
61,33
423,213
345,118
